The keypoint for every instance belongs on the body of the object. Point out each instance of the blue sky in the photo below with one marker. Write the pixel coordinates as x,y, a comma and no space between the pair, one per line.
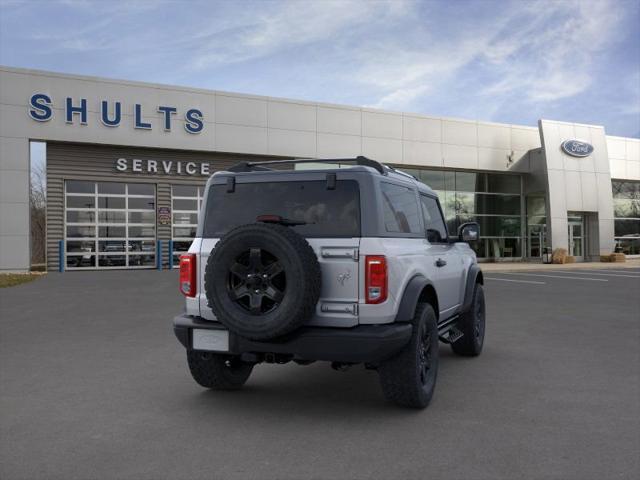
511,62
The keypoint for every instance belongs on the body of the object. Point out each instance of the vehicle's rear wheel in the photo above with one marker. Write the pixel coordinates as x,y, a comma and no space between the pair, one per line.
409,378
218,372
472,325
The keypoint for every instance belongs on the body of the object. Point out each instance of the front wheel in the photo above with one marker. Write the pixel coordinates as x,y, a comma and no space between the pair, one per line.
218,372
409,378
472,324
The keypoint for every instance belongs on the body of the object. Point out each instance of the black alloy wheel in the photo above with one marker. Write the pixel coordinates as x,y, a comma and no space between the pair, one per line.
424,357
257,281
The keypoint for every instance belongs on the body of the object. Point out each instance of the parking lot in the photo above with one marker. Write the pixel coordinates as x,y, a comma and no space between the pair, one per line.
94,385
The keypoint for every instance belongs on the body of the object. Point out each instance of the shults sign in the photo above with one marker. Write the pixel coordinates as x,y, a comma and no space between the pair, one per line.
110,113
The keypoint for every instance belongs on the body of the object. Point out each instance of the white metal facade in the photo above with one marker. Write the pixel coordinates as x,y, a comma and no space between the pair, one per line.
247,124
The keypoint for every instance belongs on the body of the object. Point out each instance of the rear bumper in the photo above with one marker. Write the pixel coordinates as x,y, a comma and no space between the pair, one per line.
364,343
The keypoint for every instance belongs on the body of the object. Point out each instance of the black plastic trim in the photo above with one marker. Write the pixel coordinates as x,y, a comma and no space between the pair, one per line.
472,276
363,343
410,298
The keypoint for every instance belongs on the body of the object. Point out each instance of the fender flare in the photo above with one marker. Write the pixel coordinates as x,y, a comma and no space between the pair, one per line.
410,298
474,275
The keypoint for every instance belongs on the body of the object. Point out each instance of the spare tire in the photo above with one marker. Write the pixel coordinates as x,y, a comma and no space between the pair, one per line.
262,280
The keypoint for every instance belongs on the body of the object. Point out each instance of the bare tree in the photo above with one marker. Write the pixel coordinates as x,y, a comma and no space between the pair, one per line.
37,207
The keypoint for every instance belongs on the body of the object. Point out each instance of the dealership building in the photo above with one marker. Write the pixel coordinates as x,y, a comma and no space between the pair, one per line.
121,183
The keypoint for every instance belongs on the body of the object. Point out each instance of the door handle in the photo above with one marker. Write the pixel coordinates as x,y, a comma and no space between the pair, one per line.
440,263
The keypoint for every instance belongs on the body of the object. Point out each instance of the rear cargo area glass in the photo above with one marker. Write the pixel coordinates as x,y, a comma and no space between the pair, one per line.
326,213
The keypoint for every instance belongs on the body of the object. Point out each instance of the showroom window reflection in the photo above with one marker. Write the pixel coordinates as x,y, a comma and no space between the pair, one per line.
626,212
492,200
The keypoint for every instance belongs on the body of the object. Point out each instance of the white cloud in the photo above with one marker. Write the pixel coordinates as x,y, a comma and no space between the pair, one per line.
259,33
539,51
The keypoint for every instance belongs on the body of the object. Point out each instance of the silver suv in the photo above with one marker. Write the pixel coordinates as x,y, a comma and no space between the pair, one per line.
347,264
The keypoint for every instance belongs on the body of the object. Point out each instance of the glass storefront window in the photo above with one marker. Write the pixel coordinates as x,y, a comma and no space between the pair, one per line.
494,200
629,245
624,227
626,189
626,210
500,183
100,223
470,182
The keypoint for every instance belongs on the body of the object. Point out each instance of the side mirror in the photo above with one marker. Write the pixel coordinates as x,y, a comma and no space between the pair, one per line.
469,232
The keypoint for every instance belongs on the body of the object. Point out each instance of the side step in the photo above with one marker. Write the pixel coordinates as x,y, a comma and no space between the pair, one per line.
448,332
452,336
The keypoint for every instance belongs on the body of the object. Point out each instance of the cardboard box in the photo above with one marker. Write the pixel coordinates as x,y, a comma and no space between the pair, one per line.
618,257
559,255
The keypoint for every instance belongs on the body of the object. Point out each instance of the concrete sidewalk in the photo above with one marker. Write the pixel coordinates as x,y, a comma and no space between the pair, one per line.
527,267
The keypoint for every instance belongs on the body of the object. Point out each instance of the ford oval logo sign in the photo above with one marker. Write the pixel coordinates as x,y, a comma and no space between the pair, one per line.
576,148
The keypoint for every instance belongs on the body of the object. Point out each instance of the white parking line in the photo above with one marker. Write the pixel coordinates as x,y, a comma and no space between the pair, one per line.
555,276
598,273
515,281
626,270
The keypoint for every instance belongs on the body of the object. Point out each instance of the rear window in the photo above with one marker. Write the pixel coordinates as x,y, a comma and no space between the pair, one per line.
327,213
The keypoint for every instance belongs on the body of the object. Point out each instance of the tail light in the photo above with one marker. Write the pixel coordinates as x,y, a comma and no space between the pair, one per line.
188,275
375,278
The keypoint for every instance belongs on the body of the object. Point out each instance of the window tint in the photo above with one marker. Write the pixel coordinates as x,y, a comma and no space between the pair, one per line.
434,223
325,213
400,209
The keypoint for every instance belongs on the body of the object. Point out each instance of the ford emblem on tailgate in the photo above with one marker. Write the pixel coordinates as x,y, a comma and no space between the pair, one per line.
576,148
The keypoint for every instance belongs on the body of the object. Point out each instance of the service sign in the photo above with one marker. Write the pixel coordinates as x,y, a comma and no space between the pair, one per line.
577,148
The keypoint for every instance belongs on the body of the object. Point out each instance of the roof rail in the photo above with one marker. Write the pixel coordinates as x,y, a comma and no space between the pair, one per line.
263,165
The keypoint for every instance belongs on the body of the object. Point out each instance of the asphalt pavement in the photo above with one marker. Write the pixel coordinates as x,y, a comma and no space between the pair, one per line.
93,385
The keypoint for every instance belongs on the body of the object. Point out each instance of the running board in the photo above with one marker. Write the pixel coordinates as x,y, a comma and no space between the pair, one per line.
447,331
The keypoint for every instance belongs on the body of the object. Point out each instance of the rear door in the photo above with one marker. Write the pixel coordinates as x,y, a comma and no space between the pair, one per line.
328,217
339,263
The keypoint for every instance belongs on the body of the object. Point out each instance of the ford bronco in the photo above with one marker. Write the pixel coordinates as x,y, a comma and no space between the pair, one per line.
348,264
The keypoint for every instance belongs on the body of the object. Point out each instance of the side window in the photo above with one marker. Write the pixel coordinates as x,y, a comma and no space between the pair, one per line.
433,221
401,213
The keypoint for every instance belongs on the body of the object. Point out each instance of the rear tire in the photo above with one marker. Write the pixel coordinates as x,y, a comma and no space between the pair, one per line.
218,372
472,325
409,378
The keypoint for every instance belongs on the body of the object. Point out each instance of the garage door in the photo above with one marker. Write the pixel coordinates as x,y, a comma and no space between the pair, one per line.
109,225
186,201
